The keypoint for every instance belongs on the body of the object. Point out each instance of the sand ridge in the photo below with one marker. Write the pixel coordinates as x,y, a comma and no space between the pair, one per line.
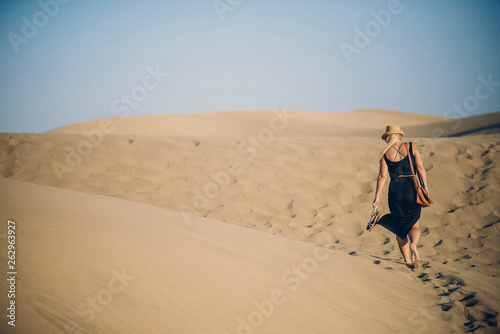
286,123
159,274
246,123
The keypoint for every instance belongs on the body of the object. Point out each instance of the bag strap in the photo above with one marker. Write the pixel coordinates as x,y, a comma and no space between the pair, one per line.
411,165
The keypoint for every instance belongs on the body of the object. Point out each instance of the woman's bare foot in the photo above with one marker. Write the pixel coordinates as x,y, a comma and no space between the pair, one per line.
415,259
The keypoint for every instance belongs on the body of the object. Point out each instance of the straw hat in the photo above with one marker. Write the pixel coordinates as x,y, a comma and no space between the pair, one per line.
391,129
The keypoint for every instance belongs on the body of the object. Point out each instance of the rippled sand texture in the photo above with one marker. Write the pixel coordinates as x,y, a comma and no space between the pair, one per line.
183,209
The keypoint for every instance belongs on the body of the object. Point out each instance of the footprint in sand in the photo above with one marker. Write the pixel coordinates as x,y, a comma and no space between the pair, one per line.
454,295
469,300
424,277
13,141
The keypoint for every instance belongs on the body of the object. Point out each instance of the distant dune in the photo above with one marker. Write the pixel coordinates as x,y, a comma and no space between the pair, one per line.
247,222
360,123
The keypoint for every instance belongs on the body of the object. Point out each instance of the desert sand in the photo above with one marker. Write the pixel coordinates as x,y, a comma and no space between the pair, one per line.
246,222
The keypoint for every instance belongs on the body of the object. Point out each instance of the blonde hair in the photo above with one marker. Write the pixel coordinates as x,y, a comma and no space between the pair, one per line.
390,140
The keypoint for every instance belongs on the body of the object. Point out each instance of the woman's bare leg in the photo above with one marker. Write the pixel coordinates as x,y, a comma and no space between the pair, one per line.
404,247
414,235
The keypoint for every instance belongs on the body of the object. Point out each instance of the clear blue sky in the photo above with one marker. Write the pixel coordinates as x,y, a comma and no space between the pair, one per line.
83,60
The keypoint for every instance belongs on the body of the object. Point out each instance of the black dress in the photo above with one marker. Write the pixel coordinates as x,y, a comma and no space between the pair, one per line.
402,197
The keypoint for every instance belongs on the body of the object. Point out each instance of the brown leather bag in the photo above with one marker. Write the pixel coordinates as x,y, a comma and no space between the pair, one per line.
423,199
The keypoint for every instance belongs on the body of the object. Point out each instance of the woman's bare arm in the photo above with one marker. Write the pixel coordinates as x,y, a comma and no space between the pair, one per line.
382,177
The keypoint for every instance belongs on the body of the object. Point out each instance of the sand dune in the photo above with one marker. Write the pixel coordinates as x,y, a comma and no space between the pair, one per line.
306,179
104,265
475,125
245,123
359,123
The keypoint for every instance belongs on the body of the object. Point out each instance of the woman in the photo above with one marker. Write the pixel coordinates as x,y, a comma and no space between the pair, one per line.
405,213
